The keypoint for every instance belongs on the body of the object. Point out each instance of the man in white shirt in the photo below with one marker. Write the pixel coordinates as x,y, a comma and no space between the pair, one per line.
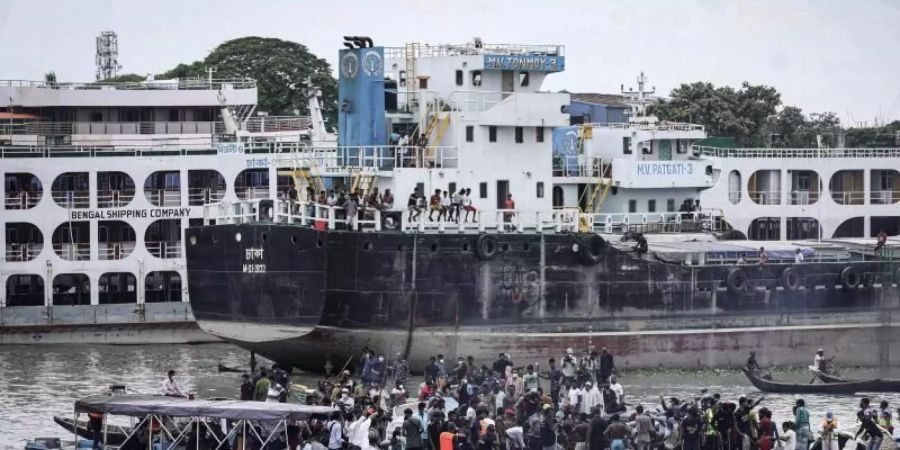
789,436
617,389
574,397
798,257
170,387
346,400
591,397
358,432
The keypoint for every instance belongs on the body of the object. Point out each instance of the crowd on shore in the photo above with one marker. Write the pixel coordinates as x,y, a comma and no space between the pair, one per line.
575,403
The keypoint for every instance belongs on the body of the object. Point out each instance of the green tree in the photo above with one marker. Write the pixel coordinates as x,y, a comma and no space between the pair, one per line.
50,77
125,78
882,136
791,128
742,114
282,70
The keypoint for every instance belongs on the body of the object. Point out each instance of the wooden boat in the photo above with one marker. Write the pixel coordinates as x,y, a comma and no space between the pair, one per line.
883,384
840,388
115,436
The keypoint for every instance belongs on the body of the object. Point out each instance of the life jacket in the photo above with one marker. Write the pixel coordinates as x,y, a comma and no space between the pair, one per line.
708,423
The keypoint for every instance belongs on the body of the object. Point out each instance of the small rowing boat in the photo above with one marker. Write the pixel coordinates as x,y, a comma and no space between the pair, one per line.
836,388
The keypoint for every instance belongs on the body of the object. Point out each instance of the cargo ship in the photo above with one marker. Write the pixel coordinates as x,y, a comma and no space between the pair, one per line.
517,226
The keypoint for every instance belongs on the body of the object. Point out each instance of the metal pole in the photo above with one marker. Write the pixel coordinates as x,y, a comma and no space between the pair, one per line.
105,430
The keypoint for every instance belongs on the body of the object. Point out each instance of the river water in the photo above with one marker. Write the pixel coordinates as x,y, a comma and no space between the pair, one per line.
37,382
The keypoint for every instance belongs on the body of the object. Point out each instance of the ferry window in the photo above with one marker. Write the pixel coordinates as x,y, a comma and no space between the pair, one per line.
670,205
651,205
476,78
470,133
423,83
539,134
523,78
492,134
626,145
451,188
96,116
540,189
482,190
402,81
173,115
459,77
681,145
647,147
632,206
520,135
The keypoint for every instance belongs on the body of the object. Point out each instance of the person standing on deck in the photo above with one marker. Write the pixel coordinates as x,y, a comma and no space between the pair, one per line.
247,387
262,386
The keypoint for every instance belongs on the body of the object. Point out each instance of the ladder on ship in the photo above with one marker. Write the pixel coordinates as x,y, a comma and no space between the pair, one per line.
361,181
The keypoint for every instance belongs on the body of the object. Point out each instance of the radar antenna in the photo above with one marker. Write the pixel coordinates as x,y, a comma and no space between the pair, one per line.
640,98
107,57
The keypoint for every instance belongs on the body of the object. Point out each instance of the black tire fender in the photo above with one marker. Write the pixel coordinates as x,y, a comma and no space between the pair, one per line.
736,281
486,247
590,249
790,279
850,278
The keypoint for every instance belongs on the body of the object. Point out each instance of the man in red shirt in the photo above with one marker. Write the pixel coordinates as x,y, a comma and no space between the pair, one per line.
508,204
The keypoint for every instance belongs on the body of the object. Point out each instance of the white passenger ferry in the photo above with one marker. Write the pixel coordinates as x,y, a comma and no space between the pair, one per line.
99,182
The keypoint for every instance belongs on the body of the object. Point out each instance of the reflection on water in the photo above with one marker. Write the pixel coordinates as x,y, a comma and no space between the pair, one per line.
40,381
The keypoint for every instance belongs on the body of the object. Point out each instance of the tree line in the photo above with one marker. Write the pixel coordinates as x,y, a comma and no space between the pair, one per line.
755,117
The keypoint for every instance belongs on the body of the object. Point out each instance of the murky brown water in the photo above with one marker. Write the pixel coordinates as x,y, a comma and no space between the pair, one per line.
37,382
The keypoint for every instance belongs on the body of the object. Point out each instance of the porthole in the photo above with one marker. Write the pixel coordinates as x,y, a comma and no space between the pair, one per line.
504,247
466,246
237,237
193,240
526,246
294,240
367,246
434,247
265,237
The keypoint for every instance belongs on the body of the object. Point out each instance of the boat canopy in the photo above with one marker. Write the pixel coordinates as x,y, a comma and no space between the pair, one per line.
144,405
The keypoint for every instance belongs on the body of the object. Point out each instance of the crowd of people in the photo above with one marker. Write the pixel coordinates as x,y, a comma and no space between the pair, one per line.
575,403
449,206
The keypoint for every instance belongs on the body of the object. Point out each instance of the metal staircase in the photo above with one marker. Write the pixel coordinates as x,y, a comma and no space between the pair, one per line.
361,180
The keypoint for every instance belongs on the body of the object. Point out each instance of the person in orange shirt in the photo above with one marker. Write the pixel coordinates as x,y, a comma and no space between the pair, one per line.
447,437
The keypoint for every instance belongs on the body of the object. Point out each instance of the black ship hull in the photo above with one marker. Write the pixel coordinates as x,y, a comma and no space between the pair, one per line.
301,296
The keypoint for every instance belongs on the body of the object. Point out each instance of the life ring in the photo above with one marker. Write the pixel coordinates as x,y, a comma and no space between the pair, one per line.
486,247
736,281
790,280
590,249
850,278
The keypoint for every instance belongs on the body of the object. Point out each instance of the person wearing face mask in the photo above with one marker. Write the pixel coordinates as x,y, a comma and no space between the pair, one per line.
346,400
378,370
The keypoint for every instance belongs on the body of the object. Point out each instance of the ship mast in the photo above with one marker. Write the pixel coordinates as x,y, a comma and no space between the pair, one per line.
639,99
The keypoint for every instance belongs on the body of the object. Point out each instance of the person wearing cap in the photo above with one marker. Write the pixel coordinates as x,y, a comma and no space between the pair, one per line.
820,362
829,431
346,400
591,397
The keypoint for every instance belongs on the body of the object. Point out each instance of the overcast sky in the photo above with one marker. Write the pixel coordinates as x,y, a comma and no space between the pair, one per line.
822,55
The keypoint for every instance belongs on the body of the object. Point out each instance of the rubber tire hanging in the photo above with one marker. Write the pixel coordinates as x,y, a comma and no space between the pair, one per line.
486,247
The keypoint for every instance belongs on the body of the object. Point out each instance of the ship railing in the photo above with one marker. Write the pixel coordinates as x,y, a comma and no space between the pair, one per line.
720,152
495,221
580,166
252,193
115,250
114,198
179,146
849,197
658,126
471,48
804,197
78,251
291,212
21,199
204,196
884,197
380,157
21,252
72,199
766,197
164,196
164,249
705,220
175,84
480,101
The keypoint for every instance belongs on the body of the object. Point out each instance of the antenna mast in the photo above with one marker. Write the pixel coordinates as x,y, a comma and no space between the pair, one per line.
107,57
639,98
